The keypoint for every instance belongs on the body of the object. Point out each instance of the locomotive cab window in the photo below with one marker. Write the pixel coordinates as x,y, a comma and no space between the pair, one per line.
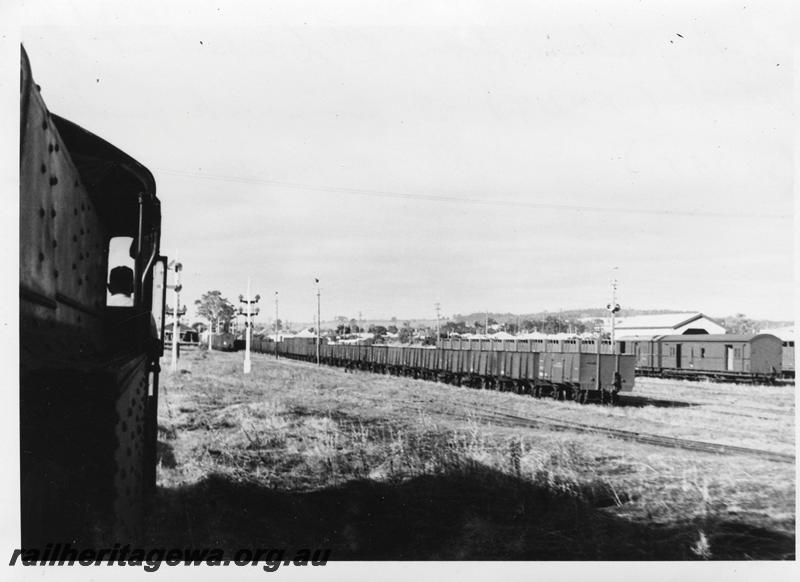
121,269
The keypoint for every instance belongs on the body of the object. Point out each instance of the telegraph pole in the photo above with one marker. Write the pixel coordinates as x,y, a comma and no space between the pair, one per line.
319,320
176,312
613,307
249,310
438,329
276,325
486,324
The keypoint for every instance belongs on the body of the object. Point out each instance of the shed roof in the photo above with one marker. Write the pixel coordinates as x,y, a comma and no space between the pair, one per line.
662,320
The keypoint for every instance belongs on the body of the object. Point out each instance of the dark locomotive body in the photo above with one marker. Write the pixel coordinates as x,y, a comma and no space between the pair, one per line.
223,342
88,371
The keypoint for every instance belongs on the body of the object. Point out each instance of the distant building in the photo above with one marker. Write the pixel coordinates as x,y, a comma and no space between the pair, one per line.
666,324
306,333
186,334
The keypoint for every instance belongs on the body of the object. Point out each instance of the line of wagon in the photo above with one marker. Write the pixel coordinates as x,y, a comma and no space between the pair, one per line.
753,358
761,358
578,376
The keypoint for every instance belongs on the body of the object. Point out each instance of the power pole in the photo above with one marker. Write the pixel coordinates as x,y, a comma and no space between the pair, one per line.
613,307
438,328
319,319
175,312
276,325
249,311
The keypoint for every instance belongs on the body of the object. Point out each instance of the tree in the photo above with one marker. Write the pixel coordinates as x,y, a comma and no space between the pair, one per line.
378,330
405,335
215,309
740,324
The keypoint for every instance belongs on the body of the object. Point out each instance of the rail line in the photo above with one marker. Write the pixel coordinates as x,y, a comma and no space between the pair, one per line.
506,418
644,438
509,418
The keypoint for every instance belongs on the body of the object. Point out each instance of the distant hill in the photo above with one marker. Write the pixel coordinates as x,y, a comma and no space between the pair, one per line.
589,313
565,314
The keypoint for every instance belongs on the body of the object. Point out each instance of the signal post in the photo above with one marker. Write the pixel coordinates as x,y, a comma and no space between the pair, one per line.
249,311
176,312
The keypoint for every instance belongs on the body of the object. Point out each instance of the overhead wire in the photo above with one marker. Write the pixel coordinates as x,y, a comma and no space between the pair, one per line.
470,200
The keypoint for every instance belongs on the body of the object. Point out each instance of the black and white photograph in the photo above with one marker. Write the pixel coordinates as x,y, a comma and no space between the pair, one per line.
314,288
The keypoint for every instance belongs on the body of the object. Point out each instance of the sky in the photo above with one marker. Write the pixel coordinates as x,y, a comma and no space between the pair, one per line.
482,155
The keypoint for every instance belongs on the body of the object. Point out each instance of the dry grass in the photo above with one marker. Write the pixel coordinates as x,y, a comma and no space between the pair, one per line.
421,459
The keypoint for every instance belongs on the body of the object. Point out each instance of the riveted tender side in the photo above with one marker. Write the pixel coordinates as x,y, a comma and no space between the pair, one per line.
88,370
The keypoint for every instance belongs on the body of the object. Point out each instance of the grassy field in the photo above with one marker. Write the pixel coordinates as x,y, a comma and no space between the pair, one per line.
379,467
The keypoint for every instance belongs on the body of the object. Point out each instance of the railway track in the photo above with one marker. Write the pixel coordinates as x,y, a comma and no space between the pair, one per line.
640,437
509,418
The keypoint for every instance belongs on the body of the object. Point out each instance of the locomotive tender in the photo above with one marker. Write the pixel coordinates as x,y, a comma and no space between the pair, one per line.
88,356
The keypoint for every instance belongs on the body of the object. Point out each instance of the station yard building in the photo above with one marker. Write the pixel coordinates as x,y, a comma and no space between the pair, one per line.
667,324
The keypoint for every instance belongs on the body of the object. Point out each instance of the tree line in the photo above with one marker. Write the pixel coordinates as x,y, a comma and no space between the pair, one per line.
215,309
